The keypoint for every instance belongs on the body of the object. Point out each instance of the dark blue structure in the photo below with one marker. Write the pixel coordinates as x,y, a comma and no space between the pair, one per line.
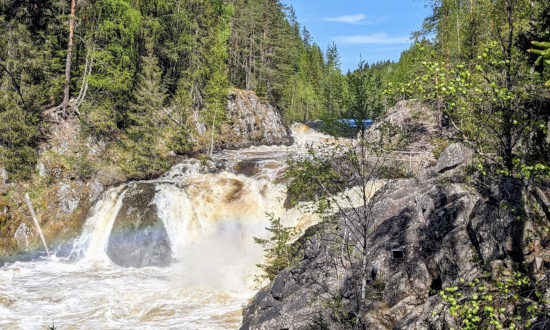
353,123
341,127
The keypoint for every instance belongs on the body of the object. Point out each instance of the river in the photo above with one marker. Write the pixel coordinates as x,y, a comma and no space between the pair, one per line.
211,217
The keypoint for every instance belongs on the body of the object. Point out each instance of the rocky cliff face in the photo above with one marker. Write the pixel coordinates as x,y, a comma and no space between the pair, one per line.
429,234
252,122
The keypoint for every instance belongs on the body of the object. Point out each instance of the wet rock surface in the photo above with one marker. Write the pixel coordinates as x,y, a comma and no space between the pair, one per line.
138,237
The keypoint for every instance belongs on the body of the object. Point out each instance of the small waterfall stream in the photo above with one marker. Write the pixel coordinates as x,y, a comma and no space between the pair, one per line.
210,218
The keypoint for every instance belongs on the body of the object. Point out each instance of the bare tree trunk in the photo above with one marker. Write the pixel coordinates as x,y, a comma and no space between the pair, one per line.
507,116
213,129
67,90
36,223
249,69
364,272
68,62
84,87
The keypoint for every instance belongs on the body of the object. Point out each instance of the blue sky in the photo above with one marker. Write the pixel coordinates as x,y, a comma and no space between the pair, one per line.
376,30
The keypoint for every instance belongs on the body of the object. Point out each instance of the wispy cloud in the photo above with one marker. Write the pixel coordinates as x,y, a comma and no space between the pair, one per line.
350,19
375,38
359,19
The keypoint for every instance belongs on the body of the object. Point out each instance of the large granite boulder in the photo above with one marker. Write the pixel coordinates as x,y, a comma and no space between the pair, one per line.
138,237
416,126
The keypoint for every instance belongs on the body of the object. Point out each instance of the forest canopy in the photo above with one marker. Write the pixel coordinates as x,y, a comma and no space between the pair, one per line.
121,67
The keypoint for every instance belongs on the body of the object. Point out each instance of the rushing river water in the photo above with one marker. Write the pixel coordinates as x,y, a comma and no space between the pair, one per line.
210,218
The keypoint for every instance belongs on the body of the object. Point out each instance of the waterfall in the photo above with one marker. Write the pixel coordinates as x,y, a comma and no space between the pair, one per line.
92,242
211,220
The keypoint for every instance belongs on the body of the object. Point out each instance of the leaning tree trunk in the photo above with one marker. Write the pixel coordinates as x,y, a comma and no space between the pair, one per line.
67,90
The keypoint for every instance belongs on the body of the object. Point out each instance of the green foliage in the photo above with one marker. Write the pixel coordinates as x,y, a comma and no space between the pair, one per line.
513,303
543,50
74,166
20,99
439,145
217,83
203,47
365,86
312,179
486,111
484,84
339,312
319,322
187,39
335,94
280,253
141,144
272,54
111,31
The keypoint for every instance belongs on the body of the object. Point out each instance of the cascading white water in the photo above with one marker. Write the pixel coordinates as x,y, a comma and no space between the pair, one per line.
210,219
95,234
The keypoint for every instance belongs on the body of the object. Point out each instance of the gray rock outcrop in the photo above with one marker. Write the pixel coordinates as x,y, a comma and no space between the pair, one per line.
454,155
4,181
69,198
252,121
22,236
138,237
430,224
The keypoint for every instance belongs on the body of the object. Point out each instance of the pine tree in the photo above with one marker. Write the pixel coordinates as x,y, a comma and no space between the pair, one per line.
335,88
20,100
141,143
278,248
111,29
542,49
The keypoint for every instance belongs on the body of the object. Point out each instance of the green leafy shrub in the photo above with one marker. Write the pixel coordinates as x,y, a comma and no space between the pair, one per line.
485,303
280,253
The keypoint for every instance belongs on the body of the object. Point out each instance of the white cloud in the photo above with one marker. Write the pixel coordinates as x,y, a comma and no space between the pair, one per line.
351,19
375,38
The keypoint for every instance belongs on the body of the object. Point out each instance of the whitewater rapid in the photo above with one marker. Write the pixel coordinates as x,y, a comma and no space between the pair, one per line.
211,217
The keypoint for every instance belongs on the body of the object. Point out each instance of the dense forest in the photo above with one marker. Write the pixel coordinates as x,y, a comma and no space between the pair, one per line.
151,76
